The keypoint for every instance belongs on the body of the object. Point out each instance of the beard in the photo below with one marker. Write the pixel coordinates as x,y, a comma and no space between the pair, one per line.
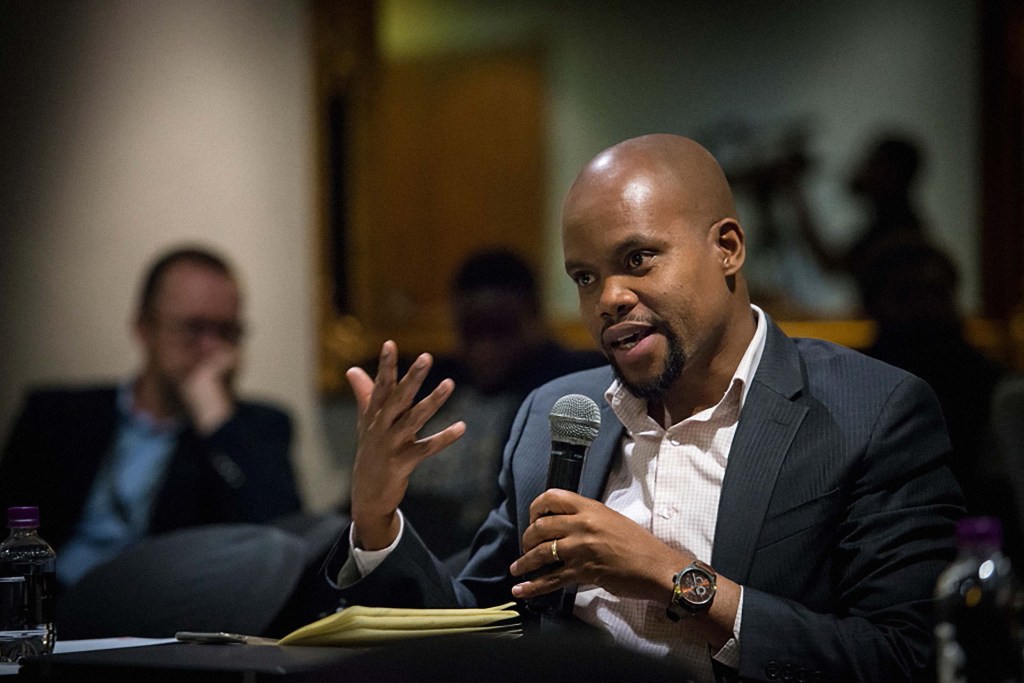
654,389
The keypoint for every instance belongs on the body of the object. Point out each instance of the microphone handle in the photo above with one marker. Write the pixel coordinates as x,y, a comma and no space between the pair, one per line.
566,466
564,470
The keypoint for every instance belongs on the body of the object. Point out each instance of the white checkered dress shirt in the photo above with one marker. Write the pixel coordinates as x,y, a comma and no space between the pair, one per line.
669,481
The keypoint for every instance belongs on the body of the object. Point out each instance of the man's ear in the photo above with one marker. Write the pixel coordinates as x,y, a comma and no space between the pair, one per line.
731,243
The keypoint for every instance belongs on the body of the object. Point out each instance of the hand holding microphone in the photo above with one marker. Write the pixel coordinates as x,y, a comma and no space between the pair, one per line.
574,420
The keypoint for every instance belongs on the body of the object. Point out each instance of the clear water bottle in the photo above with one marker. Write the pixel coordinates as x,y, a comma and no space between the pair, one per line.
28,584
977,630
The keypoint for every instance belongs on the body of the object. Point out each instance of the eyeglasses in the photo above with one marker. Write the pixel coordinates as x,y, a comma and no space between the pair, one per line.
194,329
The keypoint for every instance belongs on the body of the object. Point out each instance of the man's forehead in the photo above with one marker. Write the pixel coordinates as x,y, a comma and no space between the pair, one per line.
187,272
636,200
624,181
194,286
638,190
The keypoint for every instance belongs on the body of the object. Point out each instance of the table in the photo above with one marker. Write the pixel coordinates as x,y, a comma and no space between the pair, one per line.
470,658
190,662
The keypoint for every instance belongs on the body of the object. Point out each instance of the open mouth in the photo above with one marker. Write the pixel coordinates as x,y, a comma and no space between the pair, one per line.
625,336
628,342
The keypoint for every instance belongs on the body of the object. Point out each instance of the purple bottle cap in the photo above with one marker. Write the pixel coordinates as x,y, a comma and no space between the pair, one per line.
25,516
977,532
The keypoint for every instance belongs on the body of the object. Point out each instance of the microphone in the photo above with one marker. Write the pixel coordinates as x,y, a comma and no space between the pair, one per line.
574,420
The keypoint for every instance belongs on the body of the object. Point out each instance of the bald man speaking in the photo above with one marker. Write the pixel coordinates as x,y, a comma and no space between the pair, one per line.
754,506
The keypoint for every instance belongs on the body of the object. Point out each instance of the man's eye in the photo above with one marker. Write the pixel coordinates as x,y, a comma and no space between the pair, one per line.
637,259
583,279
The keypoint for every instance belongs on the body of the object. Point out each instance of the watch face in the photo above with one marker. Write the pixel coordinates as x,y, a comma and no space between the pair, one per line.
696,587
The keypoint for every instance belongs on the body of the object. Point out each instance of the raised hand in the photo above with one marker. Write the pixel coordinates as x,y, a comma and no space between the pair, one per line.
389,447
207,393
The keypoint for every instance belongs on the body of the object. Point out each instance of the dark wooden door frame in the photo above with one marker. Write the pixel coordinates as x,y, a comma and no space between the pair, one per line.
1001,25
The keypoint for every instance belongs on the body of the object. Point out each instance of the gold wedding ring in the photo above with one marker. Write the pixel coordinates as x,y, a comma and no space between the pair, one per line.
554,550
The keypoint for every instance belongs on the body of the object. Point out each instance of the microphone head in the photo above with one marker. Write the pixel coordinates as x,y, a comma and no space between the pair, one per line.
575,419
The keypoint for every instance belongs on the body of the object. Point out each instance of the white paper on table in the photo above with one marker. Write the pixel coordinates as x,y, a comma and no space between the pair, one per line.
64,646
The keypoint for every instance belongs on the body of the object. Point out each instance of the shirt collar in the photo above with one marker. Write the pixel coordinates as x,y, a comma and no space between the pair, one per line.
633,411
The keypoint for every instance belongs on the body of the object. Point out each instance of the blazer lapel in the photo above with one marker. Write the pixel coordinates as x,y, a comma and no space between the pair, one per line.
598,464
768,423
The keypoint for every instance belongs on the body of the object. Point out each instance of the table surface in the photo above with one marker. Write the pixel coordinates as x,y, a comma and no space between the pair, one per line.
186,661
568,657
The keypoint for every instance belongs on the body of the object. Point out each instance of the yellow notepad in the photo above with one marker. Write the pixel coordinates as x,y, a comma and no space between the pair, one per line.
360,625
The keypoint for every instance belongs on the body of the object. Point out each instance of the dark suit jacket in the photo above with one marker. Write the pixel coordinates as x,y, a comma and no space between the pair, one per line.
837,513
241,473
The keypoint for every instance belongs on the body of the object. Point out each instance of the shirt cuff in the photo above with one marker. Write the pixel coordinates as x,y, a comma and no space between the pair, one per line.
368,560
729,655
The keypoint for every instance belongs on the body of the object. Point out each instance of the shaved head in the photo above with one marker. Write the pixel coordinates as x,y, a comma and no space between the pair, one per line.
678,167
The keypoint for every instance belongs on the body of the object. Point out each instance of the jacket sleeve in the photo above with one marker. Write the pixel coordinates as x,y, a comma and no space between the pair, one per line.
893,534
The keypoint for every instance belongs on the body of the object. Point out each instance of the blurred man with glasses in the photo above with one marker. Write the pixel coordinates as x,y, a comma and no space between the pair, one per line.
170,447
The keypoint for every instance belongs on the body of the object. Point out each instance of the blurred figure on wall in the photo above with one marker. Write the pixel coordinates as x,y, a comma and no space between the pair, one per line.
885,180
910,291
503,350
169,447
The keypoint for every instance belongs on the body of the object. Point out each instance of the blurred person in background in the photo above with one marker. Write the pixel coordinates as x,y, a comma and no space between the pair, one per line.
169,447
885,180
504,349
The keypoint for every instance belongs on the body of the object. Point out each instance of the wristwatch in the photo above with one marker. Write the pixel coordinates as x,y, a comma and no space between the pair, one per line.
693,591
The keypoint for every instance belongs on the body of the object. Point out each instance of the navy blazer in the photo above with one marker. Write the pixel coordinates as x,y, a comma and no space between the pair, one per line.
837,514
240,473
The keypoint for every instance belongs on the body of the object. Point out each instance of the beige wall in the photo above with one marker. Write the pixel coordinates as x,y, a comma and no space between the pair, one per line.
131,126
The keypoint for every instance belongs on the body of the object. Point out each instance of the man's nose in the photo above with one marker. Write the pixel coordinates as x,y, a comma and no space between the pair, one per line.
617,297
208,340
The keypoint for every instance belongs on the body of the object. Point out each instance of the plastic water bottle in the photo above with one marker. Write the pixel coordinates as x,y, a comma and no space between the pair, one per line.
27,588
977,630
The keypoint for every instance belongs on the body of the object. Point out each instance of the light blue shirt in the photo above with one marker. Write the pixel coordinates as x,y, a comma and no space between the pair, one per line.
117,511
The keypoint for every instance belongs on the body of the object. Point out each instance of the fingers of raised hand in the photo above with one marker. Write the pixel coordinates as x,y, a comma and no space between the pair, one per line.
415,417
397,433
362,387
387,374
384,399
371,392
396,399
438,442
